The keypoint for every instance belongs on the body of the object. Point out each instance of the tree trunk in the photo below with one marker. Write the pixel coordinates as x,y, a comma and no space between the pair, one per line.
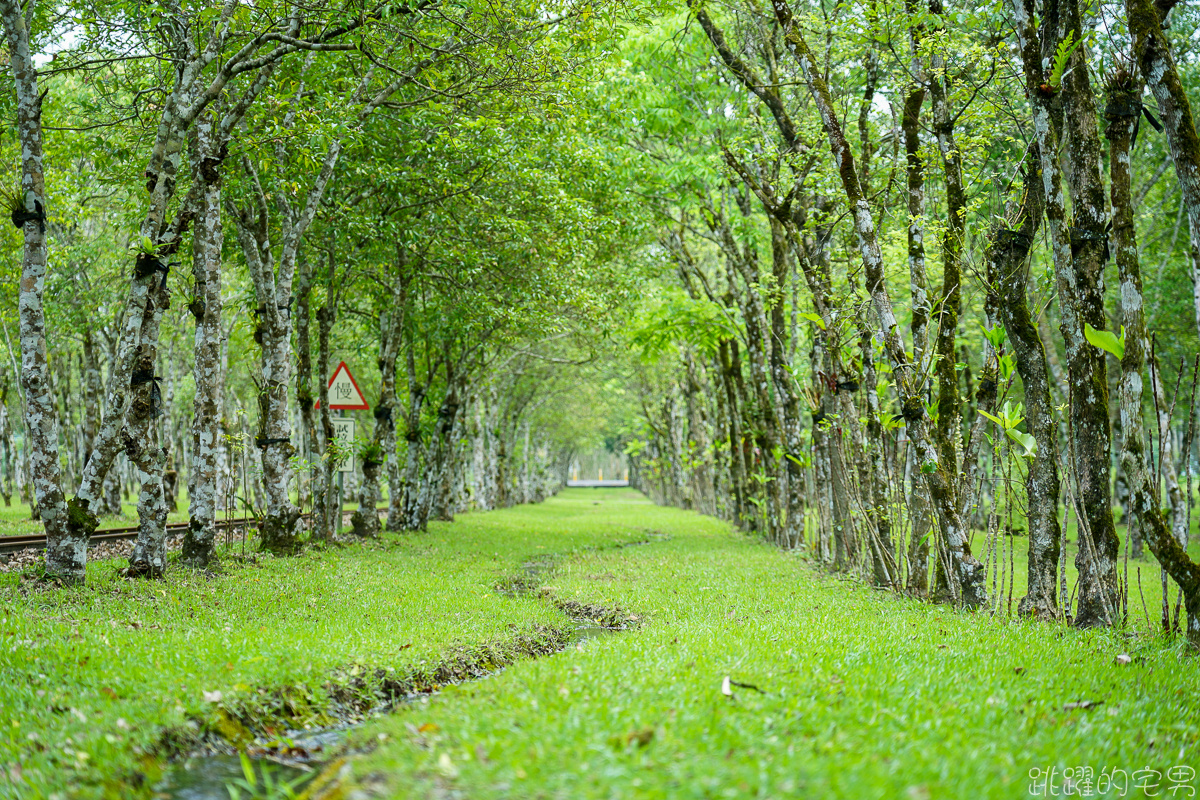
66,540
304,383
758,348
365,520
968,572
441,483
1152,53
1081,292
414,518
7,462
1008,278
792,427
141,440
199,542
1124,96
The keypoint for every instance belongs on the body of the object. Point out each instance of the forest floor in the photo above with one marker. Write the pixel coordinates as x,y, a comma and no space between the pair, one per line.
741,671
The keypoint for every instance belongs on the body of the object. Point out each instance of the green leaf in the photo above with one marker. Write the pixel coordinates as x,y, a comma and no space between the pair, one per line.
1061,56
996,420
1106,340
814,319
1025,440
994,335
1007,364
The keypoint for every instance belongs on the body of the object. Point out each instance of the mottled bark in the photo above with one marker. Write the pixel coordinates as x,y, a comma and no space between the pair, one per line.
142,445
917,580
327,511
7,451
66,544
365,520
743,259
787,391
273,287
702,483
441,506
304,380
395,476
206,309
766,91
414,516
1081,295
1124,95
1156,63
729,362
949,419
1176,508
968,572
884,569
1008,278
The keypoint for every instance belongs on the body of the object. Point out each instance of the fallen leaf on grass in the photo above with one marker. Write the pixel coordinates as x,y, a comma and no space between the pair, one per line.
1124,658
428,727
109,693
746,686
1082,704
642,737
213,697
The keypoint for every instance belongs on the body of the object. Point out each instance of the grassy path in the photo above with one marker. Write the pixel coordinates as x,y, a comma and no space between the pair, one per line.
858,693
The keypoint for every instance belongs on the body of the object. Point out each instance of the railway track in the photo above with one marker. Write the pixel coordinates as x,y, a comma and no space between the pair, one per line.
12,544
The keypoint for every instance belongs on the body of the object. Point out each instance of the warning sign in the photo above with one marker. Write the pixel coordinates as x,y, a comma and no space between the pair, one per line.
344,393
343,432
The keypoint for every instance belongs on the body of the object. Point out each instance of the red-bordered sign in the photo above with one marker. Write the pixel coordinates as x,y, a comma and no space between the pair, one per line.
343,392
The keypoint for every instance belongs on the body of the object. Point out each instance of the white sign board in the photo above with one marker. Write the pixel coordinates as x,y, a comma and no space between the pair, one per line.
343,393
343,431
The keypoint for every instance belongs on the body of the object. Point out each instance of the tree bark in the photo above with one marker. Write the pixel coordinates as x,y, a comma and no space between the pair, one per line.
1124,96
414,516
968,572
199,541
66,544
1156,63
910,126
1081,292
365,520
1008,277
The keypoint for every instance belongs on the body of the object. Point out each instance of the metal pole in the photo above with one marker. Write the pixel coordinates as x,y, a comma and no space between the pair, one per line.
337,525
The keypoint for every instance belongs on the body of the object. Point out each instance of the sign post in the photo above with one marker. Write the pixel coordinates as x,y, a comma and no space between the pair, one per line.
343,395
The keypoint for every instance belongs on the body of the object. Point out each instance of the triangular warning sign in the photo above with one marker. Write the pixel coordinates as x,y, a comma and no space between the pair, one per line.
344,393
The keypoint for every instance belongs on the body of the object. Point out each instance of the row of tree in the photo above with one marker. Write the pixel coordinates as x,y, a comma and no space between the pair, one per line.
217,201
989,159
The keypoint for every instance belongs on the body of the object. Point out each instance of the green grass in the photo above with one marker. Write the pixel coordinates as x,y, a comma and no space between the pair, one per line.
91,677
863,694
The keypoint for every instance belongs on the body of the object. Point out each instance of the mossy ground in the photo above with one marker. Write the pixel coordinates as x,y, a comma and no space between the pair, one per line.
859,693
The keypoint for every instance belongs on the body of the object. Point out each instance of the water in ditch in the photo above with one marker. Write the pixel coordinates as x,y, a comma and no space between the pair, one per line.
295,760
